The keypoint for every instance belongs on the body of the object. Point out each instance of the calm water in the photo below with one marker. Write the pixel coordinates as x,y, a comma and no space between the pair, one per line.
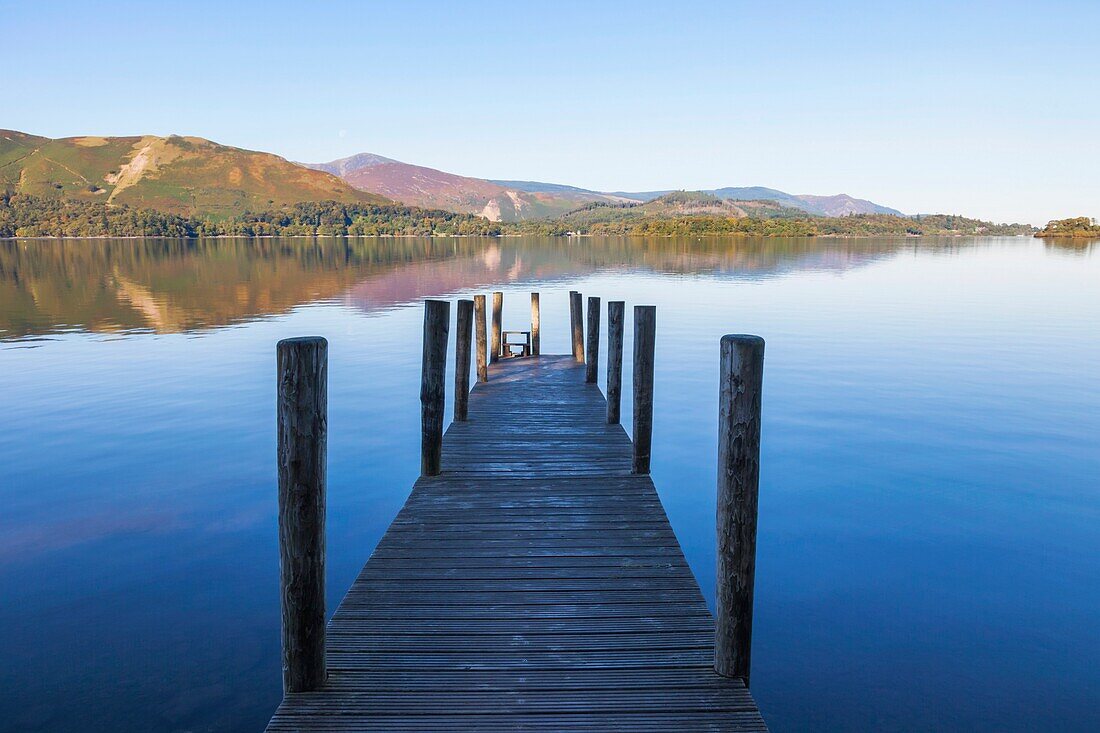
929,545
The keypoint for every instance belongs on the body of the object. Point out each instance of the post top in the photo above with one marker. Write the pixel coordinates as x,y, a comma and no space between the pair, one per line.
744,340
303,341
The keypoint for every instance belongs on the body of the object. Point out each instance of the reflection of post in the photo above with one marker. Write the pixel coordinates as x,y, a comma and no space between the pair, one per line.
482,350
577,316
616,312
645,329
740,381
437,314
498,304
593,357
534,324
462,358
302,456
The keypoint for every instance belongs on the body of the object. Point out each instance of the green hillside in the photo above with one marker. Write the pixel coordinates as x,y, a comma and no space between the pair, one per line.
695,212
1080,227
189,176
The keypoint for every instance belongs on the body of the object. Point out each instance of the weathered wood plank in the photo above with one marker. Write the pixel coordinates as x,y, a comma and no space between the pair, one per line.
534,585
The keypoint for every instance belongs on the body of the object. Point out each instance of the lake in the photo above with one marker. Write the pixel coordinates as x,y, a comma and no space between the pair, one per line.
929,553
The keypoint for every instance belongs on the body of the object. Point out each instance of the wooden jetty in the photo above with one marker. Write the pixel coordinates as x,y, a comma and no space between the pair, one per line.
532,581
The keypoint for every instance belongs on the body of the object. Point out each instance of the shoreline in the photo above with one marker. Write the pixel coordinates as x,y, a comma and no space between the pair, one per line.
736,235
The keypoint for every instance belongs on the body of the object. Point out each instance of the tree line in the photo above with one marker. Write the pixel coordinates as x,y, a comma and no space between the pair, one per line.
24,215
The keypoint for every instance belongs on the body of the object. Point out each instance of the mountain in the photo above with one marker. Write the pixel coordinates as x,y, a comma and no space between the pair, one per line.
836,205
693,213
509,200
417,185
180,175
842,204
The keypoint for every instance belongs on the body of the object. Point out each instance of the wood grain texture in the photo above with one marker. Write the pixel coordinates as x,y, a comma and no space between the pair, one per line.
480,337
576,320
463,332
536,347
741,376
302,463
433,392
645,330
592,355
498,307
534,585
616,318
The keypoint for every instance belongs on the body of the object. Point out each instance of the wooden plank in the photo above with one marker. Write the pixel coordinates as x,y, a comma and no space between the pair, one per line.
534,585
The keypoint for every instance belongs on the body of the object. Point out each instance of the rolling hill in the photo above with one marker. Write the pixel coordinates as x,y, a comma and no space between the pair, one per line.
510,200
417,185
835,205
180,175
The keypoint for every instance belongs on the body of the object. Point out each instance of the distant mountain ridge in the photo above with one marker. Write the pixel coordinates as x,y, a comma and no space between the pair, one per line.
511,200
179,175
836,205
192,176
417,185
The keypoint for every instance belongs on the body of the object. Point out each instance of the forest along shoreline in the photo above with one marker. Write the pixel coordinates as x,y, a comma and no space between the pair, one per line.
678,214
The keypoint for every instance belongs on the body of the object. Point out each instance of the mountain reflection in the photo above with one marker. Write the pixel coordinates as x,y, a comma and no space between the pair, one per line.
172,286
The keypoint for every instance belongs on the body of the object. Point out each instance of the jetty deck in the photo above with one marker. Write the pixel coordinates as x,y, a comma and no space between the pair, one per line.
534,585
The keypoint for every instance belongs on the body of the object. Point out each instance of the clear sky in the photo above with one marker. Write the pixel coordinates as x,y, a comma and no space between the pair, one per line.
988,109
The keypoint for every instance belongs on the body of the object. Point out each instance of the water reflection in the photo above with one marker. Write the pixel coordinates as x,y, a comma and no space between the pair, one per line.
172,286
931,413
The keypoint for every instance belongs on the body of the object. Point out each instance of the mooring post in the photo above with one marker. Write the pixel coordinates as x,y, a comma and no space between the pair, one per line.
462,357
302,449
616,312
577,317
592,358
479,328
572,317
534,324
645,331
740,381
437,315
498,305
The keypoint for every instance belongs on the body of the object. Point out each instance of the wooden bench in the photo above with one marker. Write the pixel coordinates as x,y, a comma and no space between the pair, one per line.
506,346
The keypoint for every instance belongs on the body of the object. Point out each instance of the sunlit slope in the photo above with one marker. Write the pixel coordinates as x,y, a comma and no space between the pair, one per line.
184,175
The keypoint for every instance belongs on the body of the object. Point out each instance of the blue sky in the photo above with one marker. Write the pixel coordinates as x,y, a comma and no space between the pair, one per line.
987,109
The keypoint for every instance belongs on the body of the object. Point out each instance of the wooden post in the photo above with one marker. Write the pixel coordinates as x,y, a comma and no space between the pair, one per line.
302,449
616,312
462,358
592,359
498,305
740,381
534,324
645,328
437,315
577,318
572,318
479,328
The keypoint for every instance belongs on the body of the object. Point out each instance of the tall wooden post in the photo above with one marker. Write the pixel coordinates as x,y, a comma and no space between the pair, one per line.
576,316
462,357
572,317
740,381
645,331
535,348
498,305
437,314
302,456
592,358
616,312
479,328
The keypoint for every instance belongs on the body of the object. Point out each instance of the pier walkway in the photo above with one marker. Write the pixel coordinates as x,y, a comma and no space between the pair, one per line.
534,585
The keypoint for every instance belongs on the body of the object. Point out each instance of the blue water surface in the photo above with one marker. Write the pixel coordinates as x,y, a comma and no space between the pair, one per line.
929,553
